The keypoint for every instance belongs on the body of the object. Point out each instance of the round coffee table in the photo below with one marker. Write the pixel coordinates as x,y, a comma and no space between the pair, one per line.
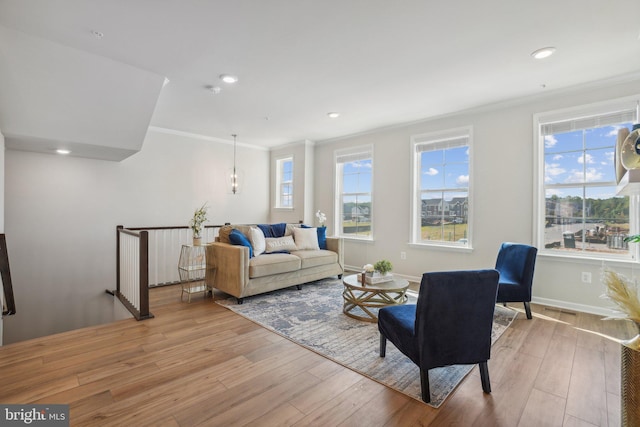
361,297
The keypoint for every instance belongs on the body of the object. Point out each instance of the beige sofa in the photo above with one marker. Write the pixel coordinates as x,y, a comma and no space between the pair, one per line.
231,270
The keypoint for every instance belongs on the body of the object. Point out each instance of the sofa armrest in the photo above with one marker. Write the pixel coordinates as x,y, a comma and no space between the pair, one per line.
227,267
336,244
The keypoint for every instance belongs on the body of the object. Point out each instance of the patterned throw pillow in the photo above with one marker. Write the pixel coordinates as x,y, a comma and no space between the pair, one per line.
280,244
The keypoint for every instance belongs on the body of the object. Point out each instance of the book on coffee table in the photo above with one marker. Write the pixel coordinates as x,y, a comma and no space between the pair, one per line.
372,280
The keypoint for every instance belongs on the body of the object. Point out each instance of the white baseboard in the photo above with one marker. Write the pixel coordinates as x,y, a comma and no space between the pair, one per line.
602,311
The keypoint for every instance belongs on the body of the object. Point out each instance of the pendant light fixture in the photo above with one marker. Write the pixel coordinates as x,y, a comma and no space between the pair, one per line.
235,178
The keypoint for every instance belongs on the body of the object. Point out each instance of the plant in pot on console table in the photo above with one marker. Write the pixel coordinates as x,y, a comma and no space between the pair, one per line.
196,223
383,267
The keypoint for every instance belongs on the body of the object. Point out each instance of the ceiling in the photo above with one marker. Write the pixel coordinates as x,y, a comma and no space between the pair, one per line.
376,62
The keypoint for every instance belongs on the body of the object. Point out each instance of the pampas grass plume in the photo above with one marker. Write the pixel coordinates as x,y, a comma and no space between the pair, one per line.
624,293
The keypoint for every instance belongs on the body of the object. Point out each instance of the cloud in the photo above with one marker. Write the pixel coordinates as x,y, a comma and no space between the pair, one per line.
431,172
609,157
586,158
558,157
462,180
590,175
550,141
552,170
361,164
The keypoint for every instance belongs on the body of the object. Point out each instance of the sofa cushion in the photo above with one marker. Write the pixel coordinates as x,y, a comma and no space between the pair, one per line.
269,264
306,238
257,241
280,244
315,258
237,238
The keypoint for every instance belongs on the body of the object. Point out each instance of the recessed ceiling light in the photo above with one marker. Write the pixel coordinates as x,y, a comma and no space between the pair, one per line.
545,52
333,115
228,78
62,151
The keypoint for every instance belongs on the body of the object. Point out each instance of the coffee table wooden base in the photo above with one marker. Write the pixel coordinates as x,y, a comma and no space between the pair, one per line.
365,298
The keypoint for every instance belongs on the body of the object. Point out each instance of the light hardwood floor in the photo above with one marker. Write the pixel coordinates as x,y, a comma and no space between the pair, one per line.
200,364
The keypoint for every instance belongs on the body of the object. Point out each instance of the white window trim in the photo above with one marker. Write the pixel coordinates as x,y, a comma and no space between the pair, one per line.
368,148
278,189
539,205
414,228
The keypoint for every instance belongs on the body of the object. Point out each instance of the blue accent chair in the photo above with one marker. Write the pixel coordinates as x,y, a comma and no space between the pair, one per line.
450,324
516,263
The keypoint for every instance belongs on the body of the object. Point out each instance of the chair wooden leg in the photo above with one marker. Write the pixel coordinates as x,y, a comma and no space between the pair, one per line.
484,377
424,384
383,345
527,309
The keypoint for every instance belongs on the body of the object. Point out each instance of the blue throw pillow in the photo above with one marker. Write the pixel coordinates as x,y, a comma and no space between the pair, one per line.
237,238
322,235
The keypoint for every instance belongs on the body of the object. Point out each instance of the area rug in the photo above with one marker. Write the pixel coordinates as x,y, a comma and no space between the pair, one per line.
313,318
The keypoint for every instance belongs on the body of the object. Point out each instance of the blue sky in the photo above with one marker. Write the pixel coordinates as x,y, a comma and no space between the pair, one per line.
581,157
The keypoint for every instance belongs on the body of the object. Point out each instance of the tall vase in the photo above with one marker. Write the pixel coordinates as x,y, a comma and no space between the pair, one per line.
630,381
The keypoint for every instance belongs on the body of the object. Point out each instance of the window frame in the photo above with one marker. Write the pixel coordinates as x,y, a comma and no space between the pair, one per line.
577,113
439,139
280,182
362,152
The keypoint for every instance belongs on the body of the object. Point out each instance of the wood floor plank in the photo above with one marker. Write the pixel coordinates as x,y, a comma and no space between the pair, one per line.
555,371
552,415
587,398
202,364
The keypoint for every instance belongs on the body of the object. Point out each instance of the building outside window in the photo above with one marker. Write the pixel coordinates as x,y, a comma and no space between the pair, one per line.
441,188
284,183
579,210
354,182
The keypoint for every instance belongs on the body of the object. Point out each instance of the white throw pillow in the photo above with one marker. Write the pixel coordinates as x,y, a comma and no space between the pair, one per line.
280,244
306,238
257,241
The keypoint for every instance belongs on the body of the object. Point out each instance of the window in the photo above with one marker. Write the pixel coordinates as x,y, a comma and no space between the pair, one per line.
284,183
579,212
354,179
441,185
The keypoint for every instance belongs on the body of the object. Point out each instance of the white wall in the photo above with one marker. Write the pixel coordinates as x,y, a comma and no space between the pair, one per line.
502,190
61,215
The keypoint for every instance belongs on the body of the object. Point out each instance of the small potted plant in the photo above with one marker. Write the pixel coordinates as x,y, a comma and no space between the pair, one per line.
383,267
196,223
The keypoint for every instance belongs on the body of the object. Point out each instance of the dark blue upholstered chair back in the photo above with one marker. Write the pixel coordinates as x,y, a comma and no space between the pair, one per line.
450,324
516,263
